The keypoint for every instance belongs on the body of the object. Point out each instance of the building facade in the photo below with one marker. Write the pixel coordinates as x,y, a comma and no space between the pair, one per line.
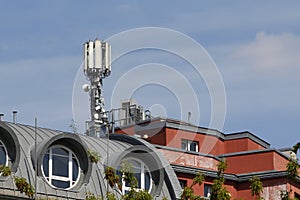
166,155
191,149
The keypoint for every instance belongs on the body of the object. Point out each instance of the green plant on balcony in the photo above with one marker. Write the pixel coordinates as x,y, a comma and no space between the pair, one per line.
93,155
24,186
111,176
5,170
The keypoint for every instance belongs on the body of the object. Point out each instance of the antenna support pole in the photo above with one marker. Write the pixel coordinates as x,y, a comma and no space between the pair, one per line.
97,66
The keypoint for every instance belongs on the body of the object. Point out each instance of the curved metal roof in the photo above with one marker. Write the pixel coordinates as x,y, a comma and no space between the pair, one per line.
111,150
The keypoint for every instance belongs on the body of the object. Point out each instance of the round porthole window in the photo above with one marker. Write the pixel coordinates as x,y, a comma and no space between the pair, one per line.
60,167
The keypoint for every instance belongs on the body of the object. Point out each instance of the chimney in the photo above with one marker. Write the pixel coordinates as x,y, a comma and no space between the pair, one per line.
15,116
1,115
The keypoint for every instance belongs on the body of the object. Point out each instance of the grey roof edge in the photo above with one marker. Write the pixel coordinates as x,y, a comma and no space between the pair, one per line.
270,174
38,127
192,128
247,134
206,172
285,149
185,151
254,152
160,122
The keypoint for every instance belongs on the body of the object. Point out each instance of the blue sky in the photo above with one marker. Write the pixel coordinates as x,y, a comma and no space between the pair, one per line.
255,45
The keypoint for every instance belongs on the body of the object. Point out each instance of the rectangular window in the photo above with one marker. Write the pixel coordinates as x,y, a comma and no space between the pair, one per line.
189,145
207,190
183,183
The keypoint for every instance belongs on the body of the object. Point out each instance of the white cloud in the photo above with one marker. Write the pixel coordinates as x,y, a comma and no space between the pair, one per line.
278,54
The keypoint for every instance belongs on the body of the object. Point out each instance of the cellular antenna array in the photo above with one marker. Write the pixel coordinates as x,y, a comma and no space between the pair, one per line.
96,67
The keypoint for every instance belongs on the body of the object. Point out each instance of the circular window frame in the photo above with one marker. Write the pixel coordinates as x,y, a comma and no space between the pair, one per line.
56,177
152,161
10,140
141,163
76,145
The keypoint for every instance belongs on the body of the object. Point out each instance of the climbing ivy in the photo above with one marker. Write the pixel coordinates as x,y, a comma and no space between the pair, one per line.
188,192
256,187
218,192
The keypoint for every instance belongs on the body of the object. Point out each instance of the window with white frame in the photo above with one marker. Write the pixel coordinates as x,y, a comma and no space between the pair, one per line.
60,167
3,154
189,145
141,173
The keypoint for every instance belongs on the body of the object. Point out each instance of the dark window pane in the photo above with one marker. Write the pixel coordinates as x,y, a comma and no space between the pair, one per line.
183,145
61,184
60,151
147,181
207,189
138,178
46,165
127,184
2,156
60,166
75,169
193,146
182,183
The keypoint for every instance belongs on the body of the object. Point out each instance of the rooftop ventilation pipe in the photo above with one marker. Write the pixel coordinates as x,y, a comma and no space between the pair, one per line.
15,116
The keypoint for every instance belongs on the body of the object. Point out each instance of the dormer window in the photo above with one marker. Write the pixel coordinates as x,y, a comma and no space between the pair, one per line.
189,145
61,167
141,173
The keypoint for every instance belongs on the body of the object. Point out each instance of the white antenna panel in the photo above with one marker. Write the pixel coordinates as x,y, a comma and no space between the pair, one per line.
85,58
107,56
91,54
98,54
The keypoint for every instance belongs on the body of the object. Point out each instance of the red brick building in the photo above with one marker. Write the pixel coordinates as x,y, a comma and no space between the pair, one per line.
190,149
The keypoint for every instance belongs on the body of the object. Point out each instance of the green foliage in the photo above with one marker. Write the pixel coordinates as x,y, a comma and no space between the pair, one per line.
93,155
111,177
292,173
91,196
138,195
198,179
217,190
128,176
24,186
285,195
292,169
5,170
296,147
256,186
110,196
188,192
222,166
